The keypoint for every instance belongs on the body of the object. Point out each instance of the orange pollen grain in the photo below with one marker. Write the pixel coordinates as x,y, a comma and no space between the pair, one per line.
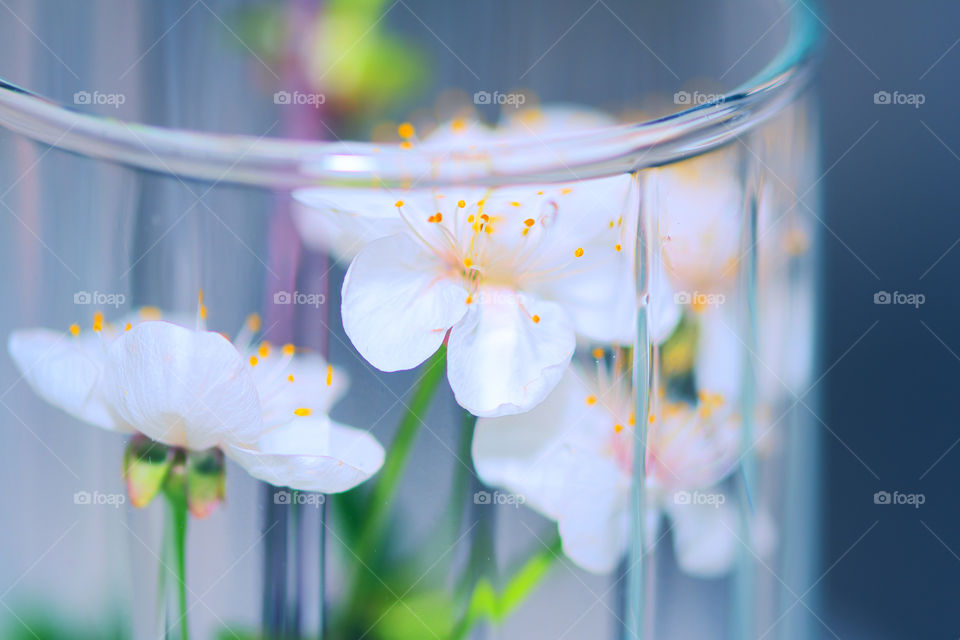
470,299
535,318
579,252
529,222
617,247
598,353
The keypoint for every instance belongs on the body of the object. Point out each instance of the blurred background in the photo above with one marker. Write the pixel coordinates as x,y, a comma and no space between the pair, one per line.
890,155
890,398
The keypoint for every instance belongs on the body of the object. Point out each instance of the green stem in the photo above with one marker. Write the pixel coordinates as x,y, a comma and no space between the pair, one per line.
178,518
386,484
486,604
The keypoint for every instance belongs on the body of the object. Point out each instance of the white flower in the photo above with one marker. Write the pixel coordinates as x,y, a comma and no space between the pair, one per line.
572,459
699,204
511,273
192,388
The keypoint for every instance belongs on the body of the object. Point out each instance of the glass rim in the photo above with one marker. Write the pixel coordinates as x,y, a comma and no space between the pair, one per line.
288,164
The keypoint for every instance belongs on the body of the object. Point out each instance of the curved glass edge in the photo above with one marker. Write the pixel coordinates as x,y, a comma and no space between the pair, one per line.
288,164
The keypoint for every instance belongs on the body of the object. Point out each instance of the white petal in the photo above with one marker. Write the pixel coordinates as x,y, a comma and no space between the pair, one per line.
399,302
182,387
699,205
687,450
286,384
704,535
499,360
343,220
718,366
65,371
312,454
519,452
594,523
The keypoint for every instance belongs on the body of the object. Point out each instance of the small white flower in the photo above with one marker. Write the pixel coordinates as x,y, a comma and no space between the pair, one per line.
572,459
699,205
192,388
510,273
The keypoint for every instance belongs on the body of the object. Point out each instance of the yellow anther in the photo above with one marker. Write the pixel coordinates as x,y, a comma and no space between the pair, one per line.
480,203
203,312
470,299
579,252
617,247
150,313
406,130
529,222
611,224
539,193
290,377
329,375
591,400
470,218
302,412
289,349
254,322
535,318
253,361
525,232
598,353
264,350
461,204
467,262
618,428
74,330
514,204
98,321
632,419
406,145
565,191
652,419
398,203
128,327
459,125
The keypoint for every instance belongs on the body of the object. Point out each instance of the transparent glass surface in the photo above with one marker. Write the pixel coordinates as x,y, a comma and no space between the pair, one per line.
618,204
